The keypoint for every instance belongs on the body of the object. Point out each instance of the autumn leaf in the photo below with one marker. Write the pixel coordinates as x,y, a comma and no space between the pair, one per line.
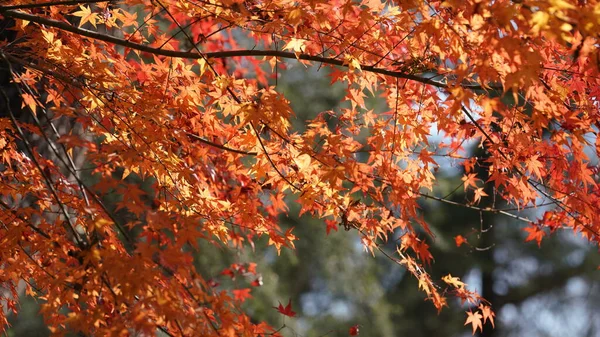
424,253
475,320
287,310
469,180
534,233
85,14
30,102
331,225
487,314
460,240
479,192
242,294
352,62
425,284
535,167
296,45
453,281
303,162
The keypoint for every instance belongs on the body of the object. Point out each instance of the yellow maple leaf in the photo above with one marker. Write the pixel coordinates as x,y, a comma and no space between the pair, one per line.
352,62
295,44
86,15
453,281
29,101
424,284
303,162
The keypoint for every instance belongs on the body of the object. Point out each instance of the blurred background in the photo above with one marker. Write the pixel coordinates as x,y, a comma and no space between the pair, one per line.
333,284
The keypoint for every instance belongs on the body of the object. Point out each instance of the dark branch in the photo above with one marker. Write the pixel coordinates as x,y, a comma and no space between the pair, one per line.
231,53
54,3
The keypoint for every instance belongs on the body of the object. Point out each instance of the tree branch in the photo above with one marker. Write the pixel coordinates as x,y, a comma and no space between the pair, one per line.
230,53
54,3
476,208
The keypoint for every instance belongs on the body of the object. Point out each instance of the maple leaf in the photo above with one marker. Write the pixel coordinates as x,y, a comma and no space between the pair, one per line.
409,240
469,180
295,44
278,202
475,320
425,284
535,166
303,162
287,310
453,281
241,294
29,101
352,62
251,268
535,233
424,253
539,21
479,192
331,225
86,15
460,240
487,314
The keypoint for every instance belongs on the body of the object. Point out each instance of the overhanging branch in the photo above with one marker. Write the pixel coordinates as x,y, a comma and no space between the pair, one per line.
54,3
227,54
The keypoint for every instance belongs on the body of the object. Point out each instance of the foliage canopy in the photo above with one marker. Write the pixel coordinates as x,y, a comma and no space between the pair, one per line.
134,129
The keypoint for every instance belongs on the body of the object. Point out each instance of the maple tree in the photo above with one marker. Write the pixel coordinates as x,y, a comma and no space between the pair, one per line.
164,90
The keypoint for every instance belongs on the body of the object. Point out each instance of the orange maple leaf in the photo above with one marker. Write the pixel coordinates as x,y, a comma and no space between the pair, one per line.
479,192
460,240
469,180
535,233
487,314
241,294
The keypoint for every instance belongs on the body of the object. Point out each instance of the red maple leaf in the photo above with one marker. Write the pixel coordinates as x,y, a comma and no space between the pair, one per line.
287,310
331,224
423,253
